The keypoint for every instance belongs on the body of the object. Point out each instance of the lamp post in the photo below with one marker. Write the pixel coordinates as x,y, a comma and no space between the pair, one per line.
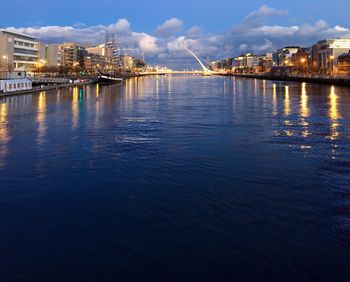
331,59
303,61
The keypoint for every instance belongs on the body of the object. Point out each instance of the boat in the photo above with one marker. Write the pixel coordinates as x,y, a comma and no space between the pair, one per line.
108,79
15,85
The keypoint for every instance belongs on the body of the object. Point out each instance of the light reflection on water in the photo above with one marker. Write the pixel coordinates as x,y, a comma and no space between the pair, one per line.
213,167
333,114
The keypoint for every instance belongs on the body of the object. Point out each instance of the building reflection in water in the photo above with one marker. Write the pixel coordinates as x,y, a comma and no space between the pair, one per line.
97,105
97,90
304,108
264,87
4,134
274,99
334,114
75,107
157,86
304,111
170,84
255,87
286,101
41,118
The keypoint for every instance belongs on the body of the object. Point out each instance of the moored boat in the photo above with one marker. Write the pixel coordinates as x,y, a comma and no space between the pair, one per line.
107,79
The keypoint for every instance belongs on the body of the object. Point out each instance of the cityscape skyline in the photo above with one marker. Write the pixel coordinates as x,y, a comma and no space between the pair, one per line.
257,28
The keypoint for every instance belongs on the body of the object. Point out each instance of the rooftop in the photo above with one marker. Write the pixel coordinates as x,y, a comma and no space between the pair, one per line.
16,33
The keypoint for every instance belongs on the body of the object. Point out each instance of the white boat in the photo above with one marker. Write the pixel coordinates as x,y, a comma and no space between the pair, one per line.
14,85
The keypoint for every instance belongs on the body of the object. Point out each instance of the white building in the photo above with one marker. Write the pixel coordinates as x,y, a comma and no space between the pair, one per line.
18,52
327,52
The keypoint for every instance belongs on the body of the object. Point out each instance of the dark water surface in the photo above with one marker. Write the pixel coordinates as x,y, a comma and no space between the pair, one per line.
176,179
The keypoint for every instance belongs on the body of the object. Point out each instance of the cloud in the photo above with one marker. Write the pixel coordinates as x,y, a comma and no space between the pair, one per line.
169,28
163,46
193,31
259,17
146,42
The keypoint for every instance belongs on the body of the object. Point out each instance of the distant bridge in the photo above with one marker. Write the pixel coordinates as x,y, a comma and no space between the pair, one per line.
194,72
206,71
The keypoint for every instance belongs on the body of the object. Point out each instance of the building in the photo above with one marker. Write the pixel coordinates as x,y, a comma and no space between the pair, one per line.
344,64
214,65
226,64
110,51
18,52
72,55
325,54
139,64
284,56
246,63
127,62
301,61
53,55
94,62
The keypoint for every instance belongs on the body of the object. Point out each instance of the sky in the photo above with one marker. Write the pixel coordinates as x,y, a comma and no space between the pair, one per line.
212,29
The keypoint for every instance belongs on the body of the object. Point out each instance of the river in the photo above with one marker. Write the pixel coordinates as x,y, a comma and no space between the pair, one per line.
176,178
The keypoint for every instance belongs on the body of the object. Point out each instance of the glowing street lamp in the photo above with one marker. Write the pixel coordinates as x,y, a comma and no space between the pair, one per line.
331,59
303,63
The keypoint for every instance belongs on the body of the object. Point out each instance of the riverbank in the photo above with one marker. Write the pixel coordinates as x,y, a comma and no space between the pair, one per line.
42,88
319,80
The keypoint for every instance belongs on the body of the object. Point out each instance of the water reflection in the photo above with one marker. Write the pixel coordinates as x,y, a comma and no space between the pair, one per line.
4,134
41,118
274,99
75,107
304,108
304,111
286,101
333,114
157,86
97,90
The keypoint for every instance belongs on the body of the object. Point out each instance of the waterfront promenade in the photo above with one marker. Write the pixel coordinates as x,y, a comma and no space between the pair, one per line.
330,80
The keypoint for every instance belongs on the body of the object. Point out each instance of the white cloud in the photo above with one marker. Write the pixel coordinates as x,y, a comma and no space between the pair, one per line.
259,17
169,28
194,31
147,43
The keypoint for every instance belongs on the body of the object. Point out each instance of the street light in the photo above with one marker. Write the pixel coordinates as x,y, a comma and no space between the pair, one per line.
331,59
303,61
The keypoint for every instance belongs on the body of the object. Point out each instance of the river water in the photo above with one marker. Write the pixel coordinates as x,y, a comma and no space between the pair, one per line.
176,178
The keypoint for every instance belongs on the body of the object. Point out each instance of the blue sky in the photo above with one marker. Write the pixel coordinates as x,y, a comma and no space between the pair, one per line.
212,28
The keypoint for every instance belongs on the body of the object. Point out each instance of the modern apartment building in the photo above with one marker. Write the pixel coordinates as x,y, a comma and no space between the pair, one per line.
18,52
94,62
52,55
325,54
72,55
